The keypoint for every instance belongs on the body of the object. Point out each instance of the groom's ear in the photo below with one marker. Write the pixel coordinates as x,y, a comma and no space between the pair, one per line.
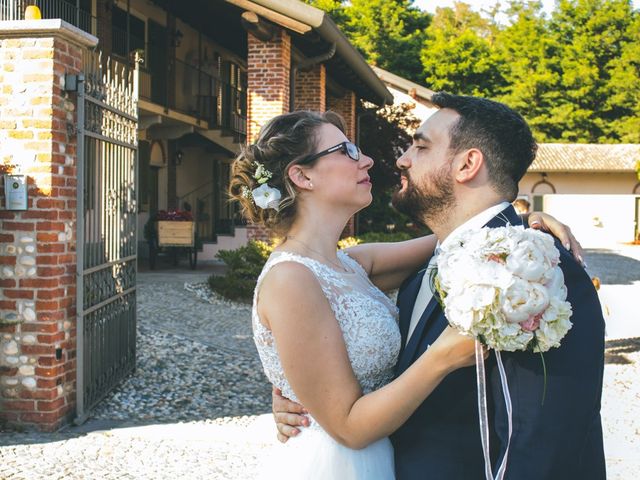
469,166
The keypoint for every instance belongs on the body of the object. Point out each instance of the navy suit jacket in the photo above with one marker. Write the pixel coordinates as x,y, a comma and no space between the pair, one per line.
560,439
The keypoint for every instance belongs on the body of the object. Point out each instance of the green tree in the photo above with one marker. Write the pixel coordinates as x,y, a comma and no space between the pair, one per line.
457,53
526,54
385,133
388,33
624,87
590,36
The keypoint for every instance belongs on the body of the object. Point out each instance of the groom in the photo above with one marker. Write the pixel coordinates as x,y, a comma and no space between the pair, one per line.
460,173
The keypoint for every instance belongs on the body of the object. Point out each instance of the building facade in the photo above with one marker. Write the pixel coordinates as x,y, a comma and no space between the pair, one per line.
207,74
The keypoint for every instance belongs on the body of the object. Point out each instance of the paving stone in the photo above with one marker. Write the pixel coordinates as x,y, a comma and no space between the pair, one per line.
197,406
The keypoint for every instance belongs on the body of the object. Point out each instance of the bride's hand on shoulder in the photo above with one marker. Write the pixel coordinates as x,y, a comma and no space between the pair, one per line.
547,223
455,350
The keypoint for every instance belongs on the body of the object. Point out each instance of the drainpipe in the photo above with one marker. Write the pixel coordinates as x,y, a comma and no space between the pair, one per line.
309,62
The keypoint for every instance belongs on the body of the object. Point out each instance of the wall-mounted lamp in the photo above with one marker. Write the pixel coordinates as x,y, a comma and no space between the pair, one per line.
176,38
32,13
177,160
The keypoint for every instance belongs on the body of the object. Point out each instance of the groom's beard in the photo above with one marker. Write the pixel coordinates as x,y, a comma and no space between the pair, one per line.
424,203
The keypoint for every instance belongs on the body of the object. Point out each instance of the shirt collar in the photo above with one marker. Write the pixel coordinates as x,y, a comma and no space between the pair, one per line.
476,222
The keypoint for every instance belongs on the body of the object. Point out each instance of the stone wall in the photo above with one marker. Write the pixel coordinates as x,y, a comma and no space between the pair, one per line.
37,246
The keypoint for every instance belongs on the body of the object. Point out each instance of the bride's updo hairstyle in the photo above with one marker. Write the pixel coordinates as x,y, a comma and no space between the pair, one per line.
283,141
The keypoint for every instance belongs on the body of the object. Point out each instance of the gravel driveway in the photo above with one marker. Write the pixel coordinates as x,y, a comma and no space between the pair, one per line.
197,405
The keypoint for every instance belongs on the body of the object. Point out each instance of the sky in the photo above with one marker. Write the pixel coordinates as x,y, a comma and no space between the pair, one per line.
431,5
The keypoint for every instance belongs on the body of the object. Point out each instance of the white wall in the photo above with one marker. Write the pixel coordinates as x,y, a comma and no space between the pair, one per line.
597,221
419,110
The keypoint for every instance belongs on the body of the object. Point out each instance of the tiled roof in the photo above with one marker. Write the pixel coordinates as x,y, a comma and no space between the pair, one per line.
577,157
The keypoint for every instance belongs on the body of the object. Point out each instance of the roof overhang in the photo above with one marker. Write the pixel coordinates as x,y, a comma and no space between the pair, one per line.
347,65
404,85
585,158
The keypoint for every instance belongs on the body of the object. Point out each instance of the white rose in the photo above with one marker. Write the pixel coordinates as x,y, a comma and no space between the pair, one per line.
522,300
266,197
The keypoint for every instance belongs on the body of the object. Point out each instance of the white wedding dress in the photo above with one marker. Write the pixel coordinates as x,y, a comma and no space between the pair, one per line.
368,320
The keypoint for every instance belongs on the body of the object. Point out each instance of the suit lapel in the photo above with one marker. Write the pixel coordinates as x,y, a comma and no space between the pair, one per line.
406,357
406,302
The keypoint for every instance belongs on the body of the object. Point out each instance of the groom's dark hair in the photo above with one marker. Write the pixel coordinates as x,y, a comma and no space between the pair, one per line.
499,132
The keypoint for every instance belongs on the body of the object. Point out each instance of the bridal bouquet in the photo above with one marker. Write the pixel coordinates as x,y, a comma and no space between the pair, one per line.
504,287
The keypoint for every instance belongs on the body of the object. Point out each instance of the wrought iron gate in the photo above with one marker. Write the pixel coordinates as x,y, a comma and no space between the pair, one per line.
107,103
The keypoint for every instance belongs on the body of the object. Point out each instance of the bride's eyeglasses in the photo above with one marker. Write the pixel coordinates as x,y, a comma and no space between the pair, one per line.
351,149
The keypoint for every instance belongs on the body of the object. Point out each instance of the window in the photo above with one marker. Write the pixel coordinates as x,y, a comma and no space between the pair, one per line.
119,43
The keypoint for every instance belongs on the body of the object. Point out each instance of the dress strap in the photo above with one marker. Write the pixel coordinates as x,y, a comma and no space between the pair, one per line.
279,257
352,263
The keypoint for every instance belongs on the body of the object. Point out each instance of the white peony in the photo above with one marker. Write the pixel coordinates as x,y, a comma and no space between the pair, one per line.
555,284
523,300
266,197
527,262
504,285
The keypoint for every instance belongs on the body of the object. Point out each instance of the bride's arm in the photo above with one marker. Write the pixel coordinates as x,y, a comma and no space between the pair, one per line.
388,264
315,362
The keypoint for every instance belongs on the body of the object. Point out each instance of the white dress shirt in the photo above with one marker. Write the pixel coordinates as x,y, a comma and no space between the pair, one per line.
425,294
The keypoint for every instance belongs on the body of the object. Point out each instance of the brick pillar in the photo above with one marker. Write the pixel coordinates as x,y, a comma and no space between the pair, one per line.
37,246
346,106
310,89
268,69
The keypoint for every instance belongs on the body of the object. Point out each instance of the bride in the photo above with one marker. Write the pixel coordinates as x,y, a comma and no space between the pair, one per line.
326,333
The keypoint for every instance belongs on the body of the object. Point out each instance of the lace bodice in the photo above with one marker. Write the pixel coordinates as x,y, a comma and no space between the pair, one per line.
367,318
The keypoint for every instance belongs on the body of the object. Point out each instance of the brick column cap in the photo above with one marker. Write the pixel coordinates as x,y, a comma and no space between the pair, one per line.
47,28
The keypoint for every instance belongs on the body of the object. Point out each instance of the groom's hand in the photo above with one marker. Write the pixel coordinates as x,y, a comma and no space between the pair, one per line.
288,415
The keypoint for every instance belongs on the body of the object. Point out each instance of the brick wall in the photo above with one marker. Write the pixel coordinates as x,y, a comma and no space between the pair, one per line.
37,246
310,89
268,68
346,106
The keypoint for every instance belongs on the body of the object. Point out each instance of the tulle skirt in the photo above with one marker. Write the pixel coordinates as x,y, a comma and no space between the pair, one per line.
314,455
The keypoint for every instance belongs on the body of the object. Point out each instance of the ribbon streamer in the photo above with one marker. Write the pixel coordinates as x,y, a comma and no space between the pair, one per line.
483,416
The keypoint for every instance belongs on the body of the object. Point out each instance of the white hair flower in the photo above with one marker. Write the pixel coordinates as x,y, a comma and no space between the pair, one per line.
266,197
245,192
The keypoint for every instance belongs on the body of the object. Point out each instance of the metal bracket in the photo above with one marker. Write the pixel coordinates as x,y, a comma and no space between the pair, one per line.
71,82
